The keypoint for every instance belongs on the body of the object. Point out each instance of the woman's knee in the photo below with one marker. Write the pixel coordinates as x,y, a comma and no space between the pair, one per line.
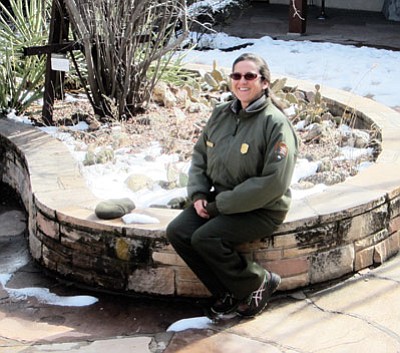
171,231
177,232
201,240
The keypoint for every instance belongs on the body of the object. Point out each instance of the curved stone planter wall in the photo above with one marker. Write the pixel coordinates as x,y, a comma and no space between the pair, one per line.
348,227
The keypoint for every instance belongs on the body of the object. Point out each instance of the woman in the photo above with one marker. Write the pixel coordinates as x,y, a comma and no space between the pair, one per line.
239,181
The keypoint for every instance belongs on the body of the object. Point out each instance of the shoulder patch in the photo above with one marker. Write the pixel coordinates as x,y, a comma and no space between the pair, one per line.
280,151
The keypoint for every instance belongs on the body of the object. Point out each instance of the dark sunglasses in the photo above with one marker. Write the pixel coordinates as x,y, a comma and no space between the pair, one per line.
248,76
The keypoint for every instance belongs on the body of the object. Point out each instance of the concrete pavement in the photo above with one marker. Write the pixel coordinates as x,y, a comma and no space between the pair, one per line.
357,314
349,27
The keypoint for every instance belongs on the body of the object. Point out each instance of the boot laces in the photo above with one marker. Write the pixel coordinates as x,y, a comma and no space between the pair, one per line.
258,294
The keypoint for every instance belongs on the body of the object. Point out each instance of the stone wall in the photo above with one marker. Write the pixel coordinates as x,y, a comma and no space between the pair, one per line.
348,227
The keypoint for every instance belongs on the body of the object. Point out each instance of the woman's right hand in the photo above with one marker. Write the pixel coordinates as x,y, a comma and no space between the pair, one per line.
200,207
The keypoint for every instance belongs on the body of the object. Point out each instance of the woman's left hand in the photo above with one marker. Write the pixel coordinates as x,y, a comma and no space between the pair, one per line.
200,207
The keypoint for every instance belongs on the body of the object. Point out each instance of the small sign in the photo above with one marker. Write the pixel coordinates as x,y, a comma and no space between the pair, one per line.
59,62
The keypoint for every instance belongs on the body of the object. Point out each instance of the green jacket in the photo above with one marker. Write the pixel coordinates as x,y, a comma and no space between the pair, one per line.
244,158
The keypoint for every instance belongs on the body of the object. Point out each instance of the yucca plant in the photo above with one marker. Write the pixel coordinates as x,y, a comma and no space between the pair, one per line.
23,23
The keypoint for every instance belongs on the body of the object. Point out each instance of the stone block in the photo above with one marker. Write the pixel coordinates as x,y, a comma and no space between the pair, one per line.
268,255
192,289
49,254
167,258
285,241
371,240
163,247
82,261
332,264
48,227
386,249
35,247
395,240
298,252
324,236
100,266
394,224
84,245
56,247
105,281
75,234
50,259
293,282
255,245
289,267
153,280
394,206
43,208
364,258
366,224
185,274
72,273
187,283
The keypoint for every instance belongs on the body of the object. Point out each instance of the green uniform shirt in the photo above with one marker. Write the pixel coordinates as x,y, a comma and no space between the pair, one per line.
245,157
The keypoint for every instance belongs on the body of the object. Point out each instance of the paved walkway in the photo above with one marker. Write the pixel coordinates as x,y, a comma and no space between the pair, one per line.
358,314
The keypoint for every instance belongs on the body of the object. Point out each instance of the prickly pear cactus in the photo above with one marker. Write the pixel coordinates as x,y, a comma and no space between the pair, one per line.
216,79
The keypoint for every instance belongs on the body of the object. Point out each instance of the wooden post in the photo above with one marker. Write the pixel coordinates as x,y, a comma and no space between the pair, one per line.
322,15
54,80
297,16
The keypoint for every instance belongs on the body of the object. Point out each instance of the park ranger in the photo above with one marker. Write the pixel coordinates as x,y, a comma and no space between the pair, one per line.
239,180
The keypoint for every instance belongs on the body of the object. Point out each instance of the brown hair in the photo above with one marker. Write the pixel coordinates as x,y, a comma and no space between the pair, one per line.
265,73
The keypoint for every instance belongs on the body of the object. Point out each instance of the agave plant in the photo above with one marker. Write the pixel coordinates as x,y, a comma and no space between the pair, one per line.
22,24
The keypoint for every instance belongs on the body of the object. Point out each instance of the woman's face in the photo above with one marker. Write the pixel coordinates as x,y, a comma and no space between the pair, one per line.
247,90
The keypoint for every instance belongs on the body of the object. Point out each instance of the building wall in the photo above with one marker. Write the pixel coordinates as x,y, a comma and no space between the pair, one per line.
367,5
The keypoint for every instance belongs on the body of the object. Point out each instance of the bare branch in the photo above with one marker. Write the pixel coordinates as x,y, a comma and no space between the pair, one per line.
296,12
125,40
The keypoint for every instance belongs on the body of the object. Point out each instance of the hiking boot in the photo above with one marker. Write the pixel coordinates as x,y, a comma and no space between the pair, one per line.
257,301
225,305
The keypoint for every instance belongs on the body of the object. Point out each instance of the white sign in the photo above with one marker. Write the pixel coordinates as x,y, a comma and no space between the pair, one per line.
59,62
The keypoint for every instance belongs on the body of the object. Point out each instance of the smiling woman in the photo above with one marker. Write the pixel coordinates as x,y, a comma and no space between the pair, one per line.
239,188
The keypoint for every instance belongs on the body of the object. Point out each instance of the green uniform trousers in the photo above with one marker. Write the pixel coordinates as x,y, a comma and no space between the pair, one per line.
208,246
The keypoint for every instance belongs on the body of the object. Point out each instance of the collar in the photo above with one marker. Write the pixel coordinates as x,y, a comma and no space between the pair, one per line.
254,106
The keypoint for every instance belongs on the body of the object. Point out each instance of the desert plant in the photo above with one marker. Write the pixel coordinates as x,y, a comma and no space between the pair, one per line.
127,45
22,24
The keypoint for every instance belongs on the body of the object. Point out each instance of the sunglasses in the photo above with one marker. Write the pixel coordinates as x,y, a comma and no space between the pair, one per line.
248,76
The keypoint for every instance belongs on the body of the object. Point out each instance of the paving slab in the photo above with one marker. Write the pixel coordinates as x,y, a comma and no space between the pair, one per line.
118,344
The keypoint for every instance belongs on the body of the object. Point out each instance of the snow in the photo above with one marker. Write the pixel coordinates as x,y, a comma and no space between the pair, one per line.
139,218
367,72
199,323
43,295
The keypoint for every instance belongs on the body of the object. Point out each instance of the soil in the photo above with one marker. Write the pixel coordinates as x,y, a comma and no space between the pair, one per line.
176,128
